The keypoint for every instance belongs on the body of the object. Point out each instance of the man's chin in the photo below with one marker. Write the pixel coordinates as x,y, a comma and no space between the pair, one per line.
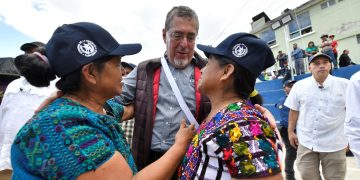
181,63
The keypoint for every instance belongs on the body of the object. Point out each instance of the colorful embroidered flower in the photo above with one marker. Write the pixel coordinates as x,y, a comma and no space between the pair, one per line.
195,140
227,154
270,160
265,146
232,168
267,129
218,117
222,140
246,168
241,149
233,107
235,133
255,128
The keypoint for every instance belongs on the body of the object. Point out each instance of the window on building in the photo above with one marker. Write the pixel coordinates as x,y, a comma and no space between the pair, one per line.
358,38
327,4
268,36
300,25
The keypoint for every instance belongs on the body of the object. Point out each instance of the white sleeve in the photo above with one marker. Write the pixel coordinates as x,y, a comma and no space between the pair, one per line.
352,120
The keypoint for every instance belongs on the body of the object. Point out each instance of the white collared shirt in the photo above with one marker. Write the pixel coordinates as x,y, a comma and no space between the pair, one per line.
352,120
17,107
320,125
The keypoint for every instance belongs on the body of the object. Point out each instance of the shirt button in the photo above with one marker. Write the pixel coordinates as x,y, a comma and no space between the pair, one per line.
167,123
163,141
170,108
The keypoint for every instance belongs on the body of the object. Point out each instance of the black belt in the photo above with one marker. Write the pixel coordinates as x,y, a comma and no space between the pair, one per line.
154,155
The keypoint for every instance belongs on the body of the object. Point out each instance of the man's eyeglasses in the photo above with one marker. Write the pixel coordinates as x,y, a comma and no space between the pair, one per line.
178,36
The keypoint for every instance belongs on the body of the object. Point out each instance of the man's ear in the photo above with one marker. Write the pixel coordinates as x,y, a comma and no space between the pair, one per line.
89,73
164,35
229,69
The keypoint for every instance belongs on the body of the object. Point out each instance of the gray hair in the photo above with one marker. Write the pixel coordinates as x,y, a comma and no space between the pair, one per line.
181,11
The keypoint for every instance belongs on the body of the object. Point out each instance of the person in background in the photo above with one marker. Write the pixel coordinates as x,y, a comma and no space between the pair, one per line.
311,49
20,100
234,141
297,56
327,49
290,155
317,111
31,46
128,125
344,59
157,110
334,46
282,58
352,121
77,136
285,73
128,67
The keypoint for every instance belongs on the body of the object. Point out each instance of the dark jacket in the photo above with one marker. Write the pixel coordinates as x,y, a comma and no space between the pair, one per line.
344,60
145,107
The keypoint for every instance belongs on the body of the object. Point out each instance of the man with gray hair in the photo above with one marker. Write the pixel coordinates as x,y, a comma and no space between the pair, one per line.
148,87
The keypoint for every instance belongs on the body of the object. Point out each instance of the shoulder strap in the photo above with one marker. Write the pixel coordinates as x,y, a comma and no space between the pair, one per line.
180,99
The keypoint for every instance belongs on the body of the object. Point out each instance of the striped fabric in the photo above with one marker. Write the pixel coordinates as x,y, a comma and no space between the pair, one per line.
237,142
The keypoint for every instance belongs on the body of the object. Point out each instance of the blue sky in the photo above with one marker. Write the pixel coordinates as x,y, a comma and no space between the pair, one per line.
11,40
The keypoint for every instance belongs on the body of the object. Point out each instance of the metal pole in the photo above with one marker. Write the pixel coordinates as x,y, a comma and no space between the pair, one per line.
290,62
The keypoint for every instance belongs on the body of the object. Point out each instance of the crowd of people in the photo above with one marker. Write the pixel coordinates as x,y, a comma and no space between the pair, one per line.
178,116
300,57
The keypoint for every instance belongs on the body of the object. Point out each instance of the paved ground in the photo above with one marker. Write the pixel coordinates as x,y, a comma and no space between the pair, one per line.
352,173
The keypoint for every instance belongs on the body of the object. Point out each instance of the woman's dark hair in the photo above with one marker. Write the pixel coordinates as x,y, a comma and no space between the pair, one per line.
257,99
310,42
244,81
72,81
35,70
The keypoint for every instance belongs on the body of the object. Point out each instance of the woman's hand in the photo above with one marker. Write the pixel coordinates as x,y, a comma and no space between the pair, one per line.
184,135
128,112
49,100
265,112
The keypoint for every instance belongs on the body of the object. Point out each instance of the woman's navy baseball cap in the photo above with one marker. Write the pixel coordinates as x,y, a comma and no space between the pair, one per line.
247,50
74,45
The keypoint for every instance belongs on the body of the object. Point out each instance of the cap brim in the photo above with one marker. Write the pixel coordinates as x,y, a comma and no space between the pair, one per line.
27,46
209,49
126,49
320,55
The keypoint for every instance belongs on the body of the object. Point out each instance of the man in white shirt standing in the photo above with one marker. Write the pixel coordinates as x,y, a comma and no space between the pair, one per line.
352,120
317,111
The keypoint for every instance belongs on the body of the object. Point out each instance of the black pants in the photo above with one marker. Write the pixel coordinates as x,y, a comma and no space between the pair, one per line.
290,155
157,155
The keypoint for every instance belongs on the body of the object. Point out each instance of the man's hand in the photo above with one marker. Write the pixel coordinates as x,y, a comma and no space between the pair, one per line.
293,139
49,100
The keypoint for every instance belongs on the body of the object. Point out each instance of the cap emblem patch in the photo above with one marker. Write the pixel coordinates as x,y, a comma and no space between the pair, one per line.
239,50
87,48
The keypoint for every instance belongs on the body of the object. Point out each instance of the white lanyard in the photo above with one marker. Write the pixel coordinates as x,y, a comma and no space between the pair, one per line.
178,96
